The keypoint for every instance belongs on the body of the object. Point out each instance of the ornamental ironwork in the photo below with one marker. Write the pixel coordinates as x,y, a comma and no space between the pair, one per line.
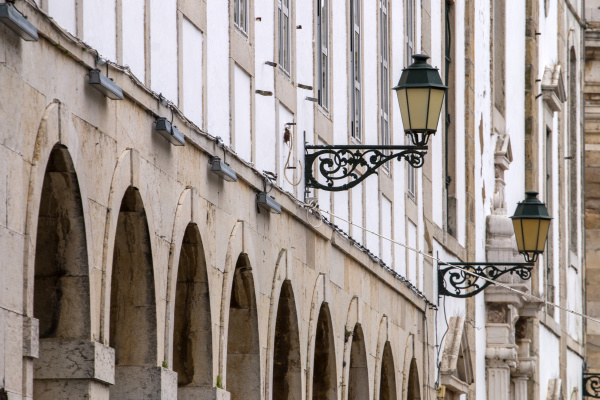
464,280
344,167
591,385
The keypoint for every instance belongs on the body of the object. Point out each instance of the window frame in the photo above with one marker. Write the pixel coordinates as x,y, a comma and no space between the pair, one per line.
323,53
384,78
237,13
284,30
409,40
356,70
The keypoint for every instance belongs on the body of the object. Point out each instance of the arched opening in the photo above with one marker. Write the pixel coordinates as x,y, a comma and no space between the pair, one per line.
413,391
61,289
287,380
387,383
358,380
324,372
243,351
132,296
192,338
61,298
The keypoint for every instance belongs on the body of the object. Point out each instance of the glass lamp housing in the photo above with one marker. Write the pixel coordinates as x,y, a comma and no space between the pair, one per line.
531,223
420,96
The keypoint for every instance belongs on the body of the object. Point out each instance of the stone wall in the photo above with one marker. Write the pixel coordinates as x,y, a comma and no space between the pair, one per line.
137,272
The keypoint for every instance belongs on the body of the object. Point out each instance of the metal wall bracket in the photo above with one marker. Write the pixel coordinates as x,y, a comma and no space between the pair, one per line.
455,281
591,385
344,167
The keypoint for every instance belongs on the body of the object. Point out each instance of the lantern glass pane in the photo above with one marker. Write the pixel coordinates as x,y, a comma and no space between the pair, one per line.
544,225
531,230
403,108
418,101
435,106
518,233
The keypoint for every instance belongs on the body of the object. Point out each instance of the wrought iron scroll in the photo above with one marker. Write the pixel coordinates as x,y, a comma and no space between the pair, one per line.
591,385
464,280
344,167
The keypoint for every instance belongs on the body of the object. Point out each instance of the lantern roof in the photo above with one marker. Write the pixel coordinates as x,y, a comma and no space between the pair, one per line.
531,208
420,75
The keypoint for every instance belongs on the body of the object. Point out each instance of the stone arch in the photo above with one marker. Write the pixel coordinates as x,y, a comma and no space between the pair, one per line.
413,386
61,290
192,338
125,177
324,374
188,272
49,137
387,380
358,374
133,313
243,348
287,365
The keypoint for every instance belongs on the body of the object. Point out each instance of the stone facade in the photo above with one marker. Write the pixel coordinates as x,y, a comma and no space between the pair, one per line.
131,271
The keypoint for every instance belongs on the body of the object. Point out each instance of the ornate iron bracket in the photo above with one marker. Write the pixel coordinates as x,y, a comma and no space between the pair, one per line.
457,282
591,385
338,164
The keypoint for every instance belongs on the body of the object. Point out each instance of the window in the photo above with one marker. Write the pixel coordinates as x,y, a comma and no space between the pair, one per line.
499,54
384,86
450,128
572,141
284,34
240,15
323,52
356,71
409,36
549,254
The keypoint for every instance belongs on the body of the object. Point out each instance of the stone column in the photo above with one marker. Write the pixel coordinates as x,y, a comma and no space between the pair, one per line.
499,361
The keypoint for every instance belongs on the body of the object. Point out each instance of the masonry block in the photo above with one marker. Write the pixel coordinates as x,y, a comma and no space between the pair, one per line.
202,392
140,382
75,360
31,334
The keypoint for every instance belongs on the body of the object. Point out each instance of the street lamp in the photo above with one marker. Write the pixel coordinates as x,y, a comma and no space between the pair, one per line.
420,95
530,222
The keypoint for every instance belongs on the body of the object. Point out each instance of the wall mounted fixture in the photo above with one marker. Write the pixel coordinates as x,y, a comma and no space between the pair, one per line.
268,203
530,222
420,96
220,167
263,200
17,22
170,132
104,85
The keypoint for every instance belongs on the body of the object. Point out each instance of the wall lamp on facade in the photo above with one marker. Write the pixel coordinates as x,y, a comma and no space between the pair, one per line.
17,22
220,167
104,85
530,222
420,95
169,132
267,202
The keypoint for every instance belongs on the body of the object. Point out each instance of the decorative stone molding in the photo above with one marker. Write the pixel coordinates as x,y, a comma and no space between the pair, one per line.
456,368
554,389
553,88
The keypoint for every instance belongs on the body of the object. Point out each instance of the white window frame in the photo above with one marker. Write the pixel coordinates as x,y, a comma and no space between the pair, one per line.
284,35
409,36
323,52
384,68
356,73
240,15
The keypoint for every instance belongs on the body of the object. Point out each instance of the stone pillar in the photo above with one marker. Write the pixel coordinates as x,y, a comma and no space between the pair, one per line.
520,383
74,370
499,361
